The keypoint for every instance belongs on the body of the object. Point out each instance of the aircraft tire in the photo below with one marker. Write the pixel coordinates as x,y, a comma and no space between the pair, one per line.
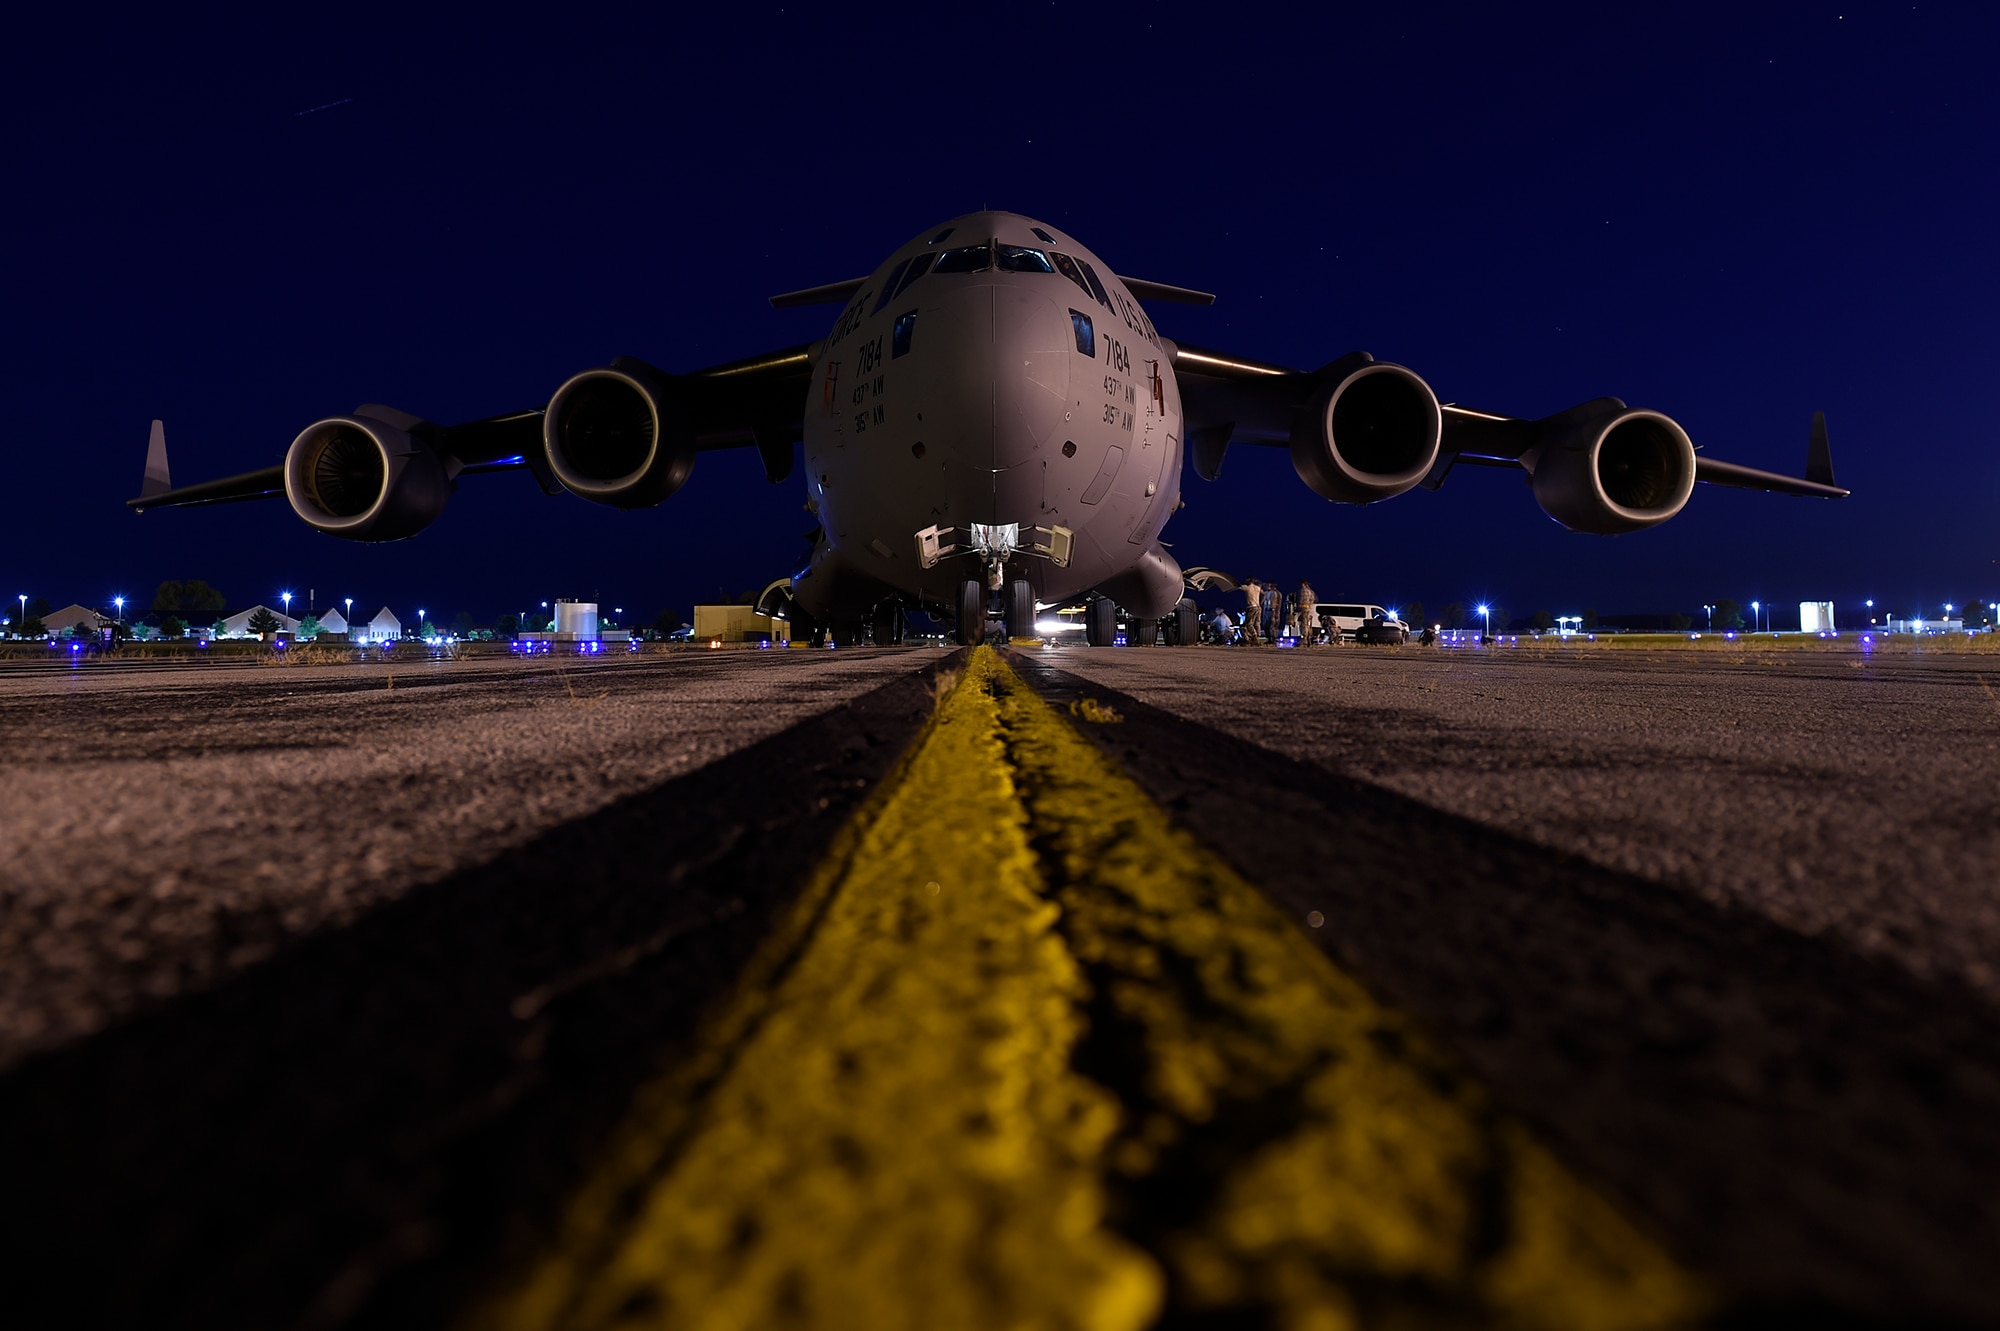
971,613
851,634
1020,609
888,625
1186,624
1100,622
1146,632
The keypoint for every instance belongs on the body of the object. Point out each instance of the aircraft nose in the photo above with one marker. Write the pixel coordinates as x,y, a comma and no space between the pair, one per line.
1003,372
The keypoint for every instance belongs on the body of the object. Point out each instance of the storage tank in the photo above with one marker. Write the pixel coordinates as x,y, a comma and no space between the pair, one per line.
1816,617
577,617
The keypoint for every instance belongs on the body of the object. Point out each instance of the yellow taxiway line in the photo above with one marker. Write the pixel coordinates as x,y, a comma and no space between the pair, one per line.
1032,1057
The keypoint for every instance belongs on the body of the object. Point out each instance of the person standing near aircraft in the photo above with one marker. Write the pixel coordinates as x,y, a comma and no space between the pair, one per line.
1308,612
1253,614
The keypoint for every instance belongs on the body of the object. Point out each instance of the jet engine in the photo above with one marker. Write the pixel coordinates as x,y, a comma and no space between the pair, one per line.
1370,432
366,479
617,436
1612,469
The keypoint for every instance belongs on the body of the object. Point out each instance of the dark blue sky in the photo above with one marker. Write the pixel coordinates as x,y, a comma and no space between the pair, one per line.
1735,214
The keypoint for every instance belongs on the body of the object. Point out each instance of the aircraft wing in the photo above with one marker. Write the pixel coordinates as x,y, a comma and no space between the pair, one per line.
758,401
1235,399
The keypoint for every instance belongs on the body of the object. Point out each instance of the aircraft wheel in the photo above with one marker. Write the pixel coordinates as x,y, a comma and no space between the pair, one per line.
1100,623
848,635
889,625
1186,624
1020,609
1146,632
971,613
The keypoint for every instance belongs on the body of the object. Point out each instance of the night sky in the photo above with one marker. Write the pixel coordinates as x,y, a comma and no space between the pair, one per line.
1736,214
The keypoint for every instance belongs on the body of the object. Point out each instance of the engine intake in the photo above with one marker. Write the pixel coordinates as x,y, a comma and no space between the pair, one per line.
1368,434
616,436
1616,470
364,479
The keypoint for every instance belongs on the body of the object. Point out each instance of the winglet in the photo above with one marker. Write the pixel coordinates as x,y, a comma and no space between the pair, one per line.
1819,462
157,480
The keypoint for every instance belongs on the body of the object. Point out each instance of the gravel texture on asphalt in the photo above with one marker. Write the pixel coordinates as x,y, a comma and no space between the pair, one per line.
1843,796
166,826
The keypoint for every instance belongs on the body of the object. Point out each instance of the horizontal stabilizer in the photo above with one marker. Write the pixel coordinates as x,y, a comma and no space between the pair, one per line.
1160,291
157,481
833,293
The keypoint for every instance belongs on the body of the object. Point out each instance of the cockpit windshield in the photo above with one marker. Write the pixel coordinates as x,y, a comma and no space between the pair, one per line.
966,259
1021,259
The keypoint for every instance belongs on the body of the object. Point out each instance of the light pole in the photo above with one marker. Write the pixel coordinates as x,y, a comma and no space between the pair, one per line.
1486,614
21,624
350,619
119,602
420,622
286,597
1711,617
1756,616
1871,613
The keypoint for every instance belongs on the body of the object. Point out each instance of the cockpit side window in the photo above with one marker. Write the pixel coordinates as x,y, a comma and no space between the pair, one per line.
940,237
1096,287
1021,259
966,259
899,340
1067,267
920,265
889,287
1086,335
1043,234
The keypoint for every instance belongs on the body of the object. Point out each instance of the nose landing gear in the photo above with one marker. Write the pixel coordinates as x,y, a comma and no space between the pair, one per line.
971,613
1020,609
1100,623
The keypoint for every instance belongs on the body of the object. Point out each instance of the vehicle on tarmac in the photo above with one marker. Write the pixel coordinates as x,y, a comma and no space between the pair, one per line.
1341,620
1383,628
992,426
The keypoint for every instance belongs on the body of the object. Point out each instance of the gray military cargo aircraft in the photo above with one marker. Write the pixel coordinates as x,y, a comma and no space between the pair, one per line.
992,425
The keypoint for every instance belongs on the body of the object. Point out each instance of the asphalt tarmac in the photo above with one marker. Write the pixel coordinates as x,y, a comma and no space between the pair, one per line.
322,996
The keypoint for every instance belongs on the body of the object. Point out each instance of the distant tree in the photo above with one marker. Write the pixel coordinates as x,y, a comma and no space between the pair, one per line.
1498,616
193,598
1679,623
309,626
1728,614
263,621
37,608
218,628
461,624
506,626
1452,616
1589,619
172,626
1413,612
667,620
32,626
1544,621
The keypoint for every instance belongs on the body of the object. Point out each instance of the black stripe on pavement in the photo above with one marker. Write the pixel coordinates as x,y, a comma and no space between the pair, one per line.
364,1126
1818,1131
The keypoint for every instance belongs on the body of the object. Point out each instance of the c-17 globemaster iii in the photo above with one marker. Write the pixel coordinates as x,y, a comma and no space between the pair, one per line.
992,425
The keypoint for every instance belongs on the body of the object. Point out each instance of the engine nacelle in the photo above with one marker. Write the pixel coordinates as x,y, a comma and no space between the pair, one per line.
1615,470
1368,434
365,479
616,436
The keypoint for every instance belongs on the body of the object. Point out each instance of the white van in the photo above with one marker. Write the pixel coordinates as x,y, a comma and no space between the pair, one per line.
1342,619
